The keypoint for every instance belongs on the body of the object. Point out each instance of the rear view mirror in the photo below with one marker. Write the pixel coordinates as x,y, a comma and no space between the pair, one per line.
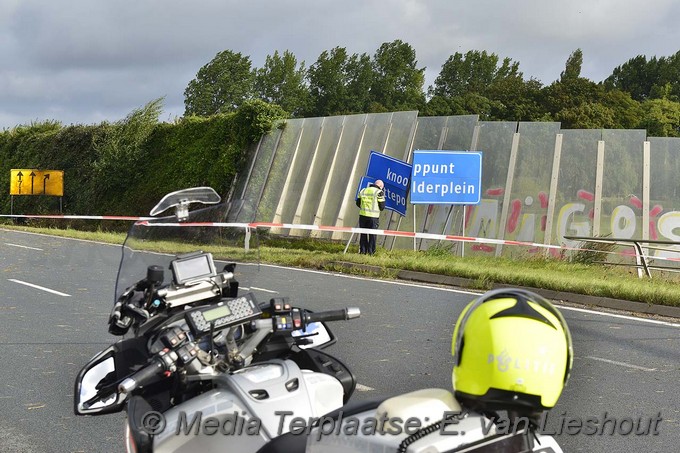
96,387
181,199
317,335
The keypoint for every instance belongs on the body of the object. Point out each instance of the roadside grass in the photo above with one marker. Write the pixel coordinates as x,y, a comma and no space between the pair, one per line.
584,277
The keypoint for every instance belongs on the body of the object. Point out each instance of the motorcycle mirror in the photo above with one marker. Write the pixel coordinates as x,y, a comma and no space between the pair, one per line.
95,388
181,199
316,335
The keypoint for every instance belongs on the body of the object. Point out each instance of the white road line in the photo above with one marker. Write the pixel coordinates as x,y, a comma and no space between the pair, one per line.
260,289
614,315
263,289
390,282
623,364
39,287
60,237
24,247
363,388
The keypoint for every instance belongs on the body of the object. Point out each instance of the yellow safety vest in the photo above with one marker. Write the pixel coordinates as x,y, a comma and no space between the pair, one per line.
369,198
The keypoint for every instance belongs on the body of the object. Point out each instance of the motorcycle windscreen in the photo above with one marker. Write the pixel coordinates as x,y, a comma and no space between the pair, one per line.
159,242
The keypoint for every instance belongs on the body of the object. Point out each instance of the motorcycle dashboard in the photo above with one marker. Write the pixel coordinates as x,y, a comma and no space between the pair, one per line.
226,313
217,313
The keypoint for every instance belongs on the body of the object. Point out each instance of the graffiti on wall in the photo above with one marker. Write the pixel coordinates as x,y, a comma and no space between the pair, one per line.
573,219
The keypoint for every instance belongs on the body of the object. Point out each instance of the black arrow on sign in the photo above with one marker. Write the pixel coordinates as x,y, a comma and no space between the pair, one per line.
32,175
19,177
45,178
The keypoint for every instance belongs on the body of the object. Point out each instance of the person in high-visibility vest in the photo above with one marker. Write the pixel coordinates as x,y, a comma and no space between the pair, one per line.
371,201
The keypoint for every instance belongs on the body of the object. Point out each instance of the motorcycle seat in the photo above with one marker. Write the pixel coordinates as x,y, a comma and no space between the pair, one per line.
292,443
419,404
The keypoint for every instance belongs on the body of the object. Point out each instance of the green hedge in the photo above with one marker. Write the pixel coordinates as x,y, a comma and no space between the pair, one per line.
124,168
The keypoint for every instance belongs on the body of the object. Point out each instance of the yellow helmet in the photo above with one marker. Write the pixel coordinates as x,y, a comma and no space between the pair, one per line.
512,351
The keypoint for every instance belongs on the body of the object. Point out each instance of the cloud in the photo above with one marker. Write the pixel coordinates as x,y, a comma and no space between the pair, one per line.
86,60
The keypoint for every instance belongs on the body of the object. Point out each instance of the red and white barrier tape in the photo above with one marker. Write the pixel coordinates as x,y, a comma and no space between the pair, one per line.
77,217
355,230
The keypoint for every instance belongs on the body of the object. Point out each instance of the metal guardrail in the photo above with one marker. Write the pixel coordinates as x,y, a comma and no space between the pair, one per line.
642,258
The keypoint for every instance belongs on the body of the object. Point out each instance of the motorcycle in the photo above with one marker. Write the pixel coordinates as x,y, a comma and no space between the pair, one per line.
203,365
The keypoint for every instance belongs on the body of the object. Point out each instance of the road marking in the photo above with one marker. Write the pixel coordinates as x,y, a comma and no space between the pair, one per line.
363,388
24,247
624,364
391,282
255,288
39,287
265,290
60,237
614,315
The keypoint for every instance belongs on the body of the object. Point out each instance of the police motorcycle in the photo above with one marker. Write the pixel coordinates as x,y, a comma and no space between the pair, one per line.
226,373
200,353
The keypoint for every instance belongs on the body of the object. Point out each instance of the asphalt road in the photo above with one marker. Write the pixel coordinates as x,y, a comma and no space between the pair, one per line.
625,367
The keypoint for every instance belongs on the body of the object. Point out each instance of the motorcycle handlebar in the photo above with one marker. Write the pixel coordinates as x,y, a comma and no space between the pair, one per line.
342,314
145,376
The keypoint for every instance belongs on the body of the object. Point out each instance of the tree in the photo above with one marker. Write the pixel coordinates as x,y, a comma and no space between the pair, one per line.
438,106
569,99
327,83
637,76
661,118
626,110
220,86
588,115
473,72
281,81
359,77
668,84
572,69
467,79
517,99
340,83
473,103
398,83
571,91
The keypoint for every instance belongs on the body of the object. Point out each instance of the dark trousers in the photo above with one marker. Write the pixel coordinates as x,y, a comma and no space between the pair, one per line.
367,241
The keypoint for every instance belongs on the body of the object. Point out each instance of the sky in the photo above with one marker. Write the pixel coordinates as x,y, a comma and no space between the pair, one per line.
88,61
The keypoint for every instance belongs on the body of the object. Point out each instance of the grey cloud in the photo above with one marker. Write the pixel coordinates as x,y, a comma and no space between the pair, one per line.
86,61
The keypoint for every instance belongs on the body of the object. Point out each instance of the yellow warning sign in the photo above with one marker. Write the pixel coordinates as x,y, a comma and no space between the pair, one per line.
36,182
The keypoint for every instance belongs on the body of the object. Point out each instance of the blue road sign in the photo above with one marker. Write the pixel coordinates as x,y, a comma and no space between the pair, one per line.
446,177
395,174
